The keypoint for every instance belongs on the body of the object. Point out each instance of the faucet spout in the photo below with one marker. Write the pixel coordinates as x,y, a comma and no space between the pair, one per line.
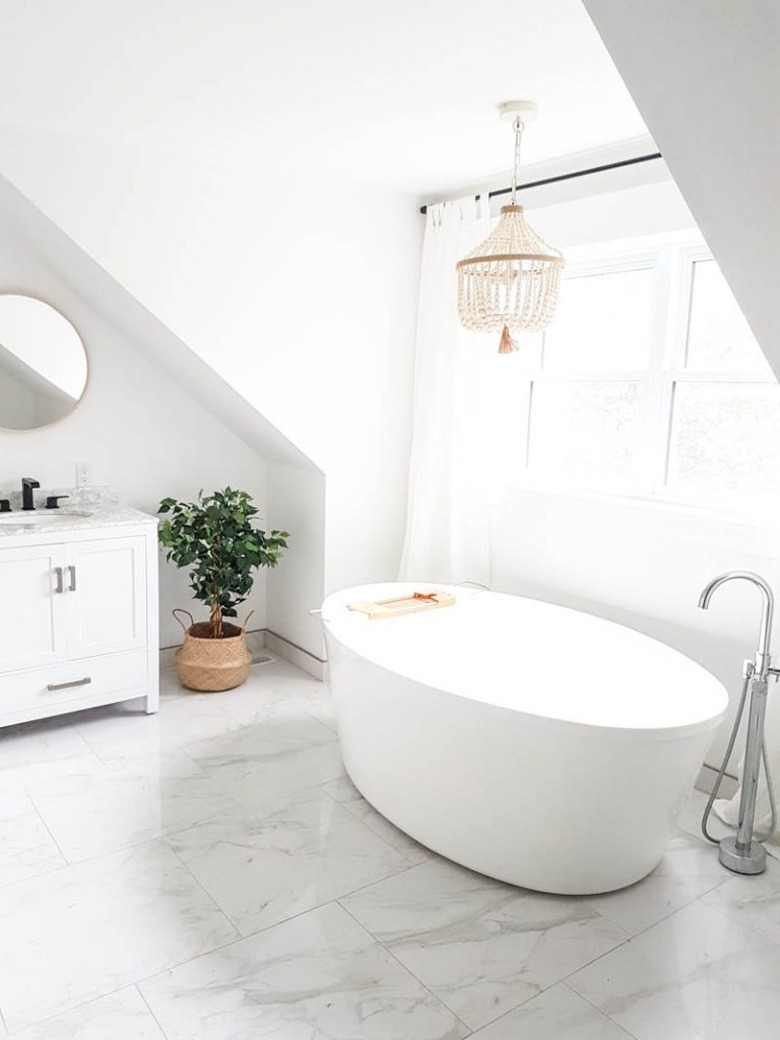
28,484
762,661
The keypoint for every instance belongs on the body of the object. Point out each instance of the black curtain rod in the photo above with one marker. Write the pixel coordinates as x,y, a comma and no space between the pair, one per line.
570,176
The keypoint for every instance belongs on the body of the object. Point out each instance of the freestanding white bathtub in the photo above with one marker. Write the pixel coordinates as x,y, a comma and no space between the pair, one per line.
533,743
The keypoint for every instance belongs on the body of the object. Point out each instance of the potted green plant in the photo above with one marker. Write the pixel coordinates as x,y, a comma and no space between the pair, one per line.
216,538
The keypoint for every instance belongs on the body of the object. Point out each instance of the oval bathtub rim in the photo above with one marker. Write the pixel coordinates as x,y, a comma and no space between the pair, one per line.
671,732
656,733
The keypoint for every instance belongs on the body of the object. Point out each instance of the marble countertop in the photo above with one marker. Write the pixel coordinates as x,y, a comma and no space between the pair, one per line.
85,509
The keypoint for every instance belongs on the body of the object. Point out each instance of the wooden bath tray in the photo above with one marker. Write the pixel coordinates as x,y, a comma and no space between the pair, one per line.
386,608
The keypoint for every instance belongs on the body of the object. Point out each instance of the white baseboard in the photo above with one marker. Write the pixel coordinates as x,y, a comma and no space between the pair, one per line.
262,639
296,655
705,781
255,640
168,656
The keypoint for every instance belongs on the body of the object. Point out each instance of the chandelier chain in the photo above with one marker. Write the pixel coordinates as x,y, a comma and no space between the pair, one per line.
518,127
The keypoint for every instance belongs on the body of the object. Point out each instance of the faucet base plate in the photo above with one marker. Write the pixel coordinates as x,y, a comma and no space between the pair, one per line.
753,861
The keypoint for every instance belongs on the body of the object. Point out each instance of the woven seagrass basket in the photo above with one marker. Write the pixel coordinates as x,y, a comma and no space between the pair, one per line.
212,665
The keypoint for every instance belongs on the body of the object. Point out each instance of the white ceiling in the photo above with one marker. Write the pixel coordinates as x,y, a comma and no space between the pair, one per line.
398,93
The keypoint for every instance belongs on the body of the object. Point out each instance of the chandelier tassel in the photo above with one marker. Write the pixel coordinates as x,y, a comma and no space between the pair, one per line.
507,344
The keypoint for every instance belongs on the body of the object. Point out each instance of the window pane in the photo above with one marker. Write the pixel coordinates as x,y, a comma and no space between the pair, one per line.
585,432
726,436
602,323
719,338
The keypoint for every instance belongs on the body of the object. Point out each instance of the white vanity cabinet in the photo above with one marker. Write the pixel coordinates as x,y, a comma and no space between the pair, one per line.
78,615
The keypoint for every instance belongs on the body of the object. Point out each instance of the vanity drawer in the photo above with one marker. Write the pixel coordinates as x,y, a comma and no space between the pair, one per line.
92,681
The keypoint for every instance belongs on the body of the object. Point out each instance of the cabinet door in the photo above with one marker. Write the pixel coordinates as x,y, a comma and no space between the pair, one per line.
105,582
32,610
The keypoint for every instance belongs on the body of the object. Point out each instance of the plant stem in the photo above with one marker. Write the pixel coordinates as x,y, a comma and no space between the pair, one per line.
216,619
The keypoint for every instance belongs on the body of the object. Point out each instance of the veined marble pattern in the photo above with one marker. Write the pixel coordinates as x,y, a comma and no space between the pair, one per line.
133,800
318,976
752,901
270,759
259,824
556,1014
281,692
39,750
689,869
698,974
26,846
345,793
102,513
120,730
264,867
119,1016
481,946
85,931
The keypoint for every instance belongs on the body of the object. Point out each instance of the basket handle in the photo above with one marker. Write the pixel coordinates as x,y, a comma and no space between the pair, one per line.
246,622
178,610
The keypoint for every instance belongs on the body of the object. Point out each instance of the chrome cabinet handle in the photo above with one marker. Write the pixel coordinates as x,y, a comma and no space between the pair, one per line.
58,574
72,586
67,685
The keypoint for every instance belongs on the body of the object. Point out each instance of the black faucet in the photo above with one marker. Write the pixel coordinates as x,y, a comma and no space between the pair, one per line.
27,492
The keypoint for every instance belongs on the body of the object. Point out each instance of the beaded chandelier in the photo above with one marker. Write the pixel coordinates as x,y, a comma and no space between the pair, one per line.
510,281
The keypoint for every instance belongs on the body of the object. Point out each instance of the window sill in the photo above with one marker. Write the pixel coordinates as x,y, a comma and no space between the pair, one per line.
717,523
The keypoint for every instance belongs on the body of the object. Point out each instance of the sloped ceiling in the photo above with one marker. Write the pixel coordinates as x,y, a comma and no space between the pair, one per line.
166,350
400,93
706,77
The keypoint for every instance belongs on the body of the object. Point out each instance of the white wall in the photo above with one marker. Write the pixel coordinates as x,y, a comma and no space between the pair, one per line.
706,78
296,503
134,427
641,566
303,298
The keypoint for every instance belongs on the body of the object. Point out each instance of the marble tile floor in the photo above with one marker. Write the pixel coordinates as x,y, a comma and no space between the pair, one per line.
210,873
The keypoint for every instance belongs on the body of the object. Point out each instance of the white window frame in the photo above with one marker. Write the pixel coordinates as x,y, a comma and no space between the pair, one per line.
673,269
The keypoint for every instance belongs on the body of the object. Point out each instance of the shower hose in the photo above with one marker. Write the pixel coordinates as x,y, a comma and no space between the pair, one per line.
724,767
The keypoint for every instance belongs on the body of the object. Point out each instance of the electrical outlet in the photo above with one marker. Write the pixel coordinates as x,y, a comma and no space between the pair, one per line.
83,474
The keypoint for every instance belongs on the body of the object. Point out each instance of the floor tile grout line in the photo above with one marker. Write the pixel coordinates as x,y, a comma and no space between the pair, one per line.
250,935
149,839
732,918
664,917
327,902
68,1010
330,729
603,1014
233,942
370,884
354,815
161,750
163,1032
200,885
72,725
641,932
247,938
46,827
391,954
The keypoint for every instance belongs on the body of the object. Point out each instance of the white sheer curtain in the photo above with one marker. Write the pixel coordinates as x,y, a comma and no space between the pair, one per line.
447,520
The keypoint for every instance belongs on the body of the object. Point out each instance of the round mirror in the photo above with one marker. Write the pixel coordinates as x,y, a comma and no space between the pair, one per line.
43,364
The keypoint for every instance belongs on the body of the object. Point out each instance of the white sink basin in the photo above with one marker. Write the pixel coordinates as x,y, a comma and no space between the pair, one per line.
47,518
